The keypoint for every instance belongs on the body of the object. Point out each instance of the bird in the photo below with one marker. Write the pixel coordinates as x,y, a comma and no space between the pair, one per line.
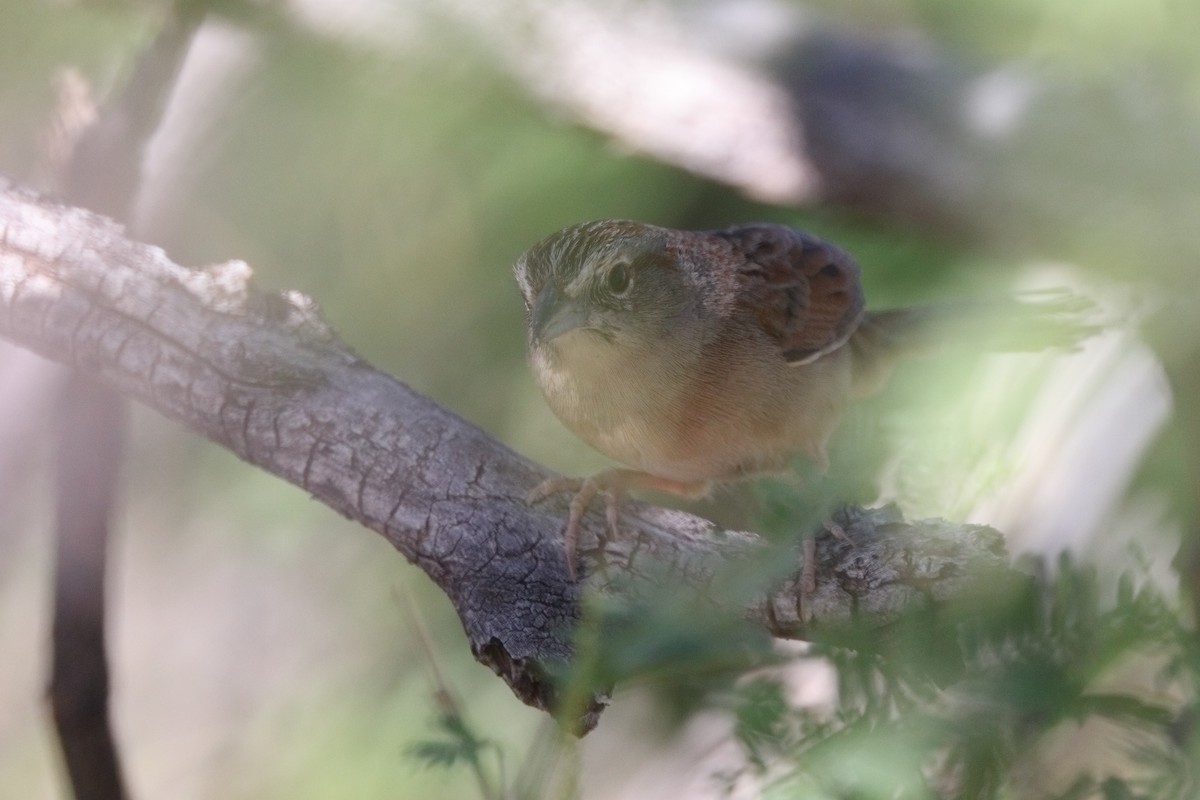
695,358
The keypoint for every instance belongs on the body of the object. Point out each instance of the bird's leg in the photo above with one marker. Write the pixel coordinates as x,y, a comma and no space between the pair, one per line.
832,526
612,483
807,583
808,573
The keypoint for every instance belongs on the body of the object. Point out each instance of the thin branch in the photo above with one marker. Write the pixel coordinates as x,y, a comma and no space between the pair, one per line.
104,173
90,433
264,376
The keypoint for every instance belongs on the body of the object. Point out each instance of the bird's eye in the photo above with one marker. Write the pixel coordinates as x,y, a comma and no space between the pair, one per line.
618,279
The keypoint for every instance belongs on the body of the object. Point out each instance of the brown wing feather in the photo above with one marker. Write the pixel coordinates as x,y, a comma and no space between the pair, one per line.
804,291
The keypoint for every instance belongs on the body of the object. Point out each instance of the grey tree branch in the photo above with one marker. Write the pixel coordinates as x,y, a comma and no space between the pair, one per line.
263,375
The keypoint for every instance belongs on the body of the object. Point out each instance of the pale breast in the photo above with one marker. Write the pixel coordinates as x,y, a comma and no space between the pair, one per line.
754,417
738,417
624,407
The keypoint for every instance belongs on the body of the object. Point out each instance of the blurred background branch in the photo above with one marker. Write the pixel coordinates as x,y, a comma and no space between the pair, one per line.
99,156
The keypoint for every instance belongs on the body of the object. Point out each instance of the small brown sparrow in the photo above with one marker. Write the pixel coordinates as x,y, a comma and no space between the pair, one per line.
700,356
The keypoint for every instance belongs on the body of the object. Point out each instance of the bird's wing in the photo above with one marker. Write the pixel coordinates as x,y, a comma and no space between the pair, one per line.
804,292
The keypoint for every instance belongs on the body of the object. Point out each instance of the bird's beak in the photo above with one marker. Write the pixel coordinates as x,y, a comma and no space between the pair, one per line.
554,315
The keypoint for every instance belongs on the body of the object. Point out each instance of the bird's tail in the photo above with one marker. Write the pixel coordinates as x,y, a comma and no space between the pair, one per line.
1025,322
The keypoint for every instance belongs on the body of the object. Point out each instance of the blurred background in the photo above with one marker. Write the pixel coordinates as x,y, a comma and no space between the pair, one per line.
392,158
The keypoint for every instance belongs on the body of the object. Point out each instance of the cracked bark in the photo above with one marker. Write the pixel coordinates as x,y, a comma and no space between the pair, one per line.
263,375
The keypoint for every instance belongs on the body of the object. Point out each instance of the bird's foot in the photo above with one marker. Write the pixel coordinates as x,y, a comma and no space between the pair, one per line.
838,532
808,573
613,484
584,489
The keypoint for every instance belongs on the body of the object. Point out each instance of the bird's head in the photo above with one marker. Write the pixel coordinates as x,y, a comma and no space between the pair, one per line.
614,282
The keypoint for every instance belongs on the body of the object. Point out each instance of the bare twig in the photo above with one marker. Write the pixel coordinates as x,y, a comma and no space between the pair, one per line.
91,429
104,173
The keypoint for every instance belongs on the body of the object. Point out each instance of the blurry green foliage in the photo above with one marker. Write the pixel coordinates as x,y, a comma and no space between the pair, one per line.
963,699
1100,38
685,648
459,745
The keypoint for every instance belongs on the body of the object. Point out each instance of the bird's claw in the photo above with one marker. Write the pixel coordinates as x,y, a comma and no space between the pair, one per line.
808,572
584,490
